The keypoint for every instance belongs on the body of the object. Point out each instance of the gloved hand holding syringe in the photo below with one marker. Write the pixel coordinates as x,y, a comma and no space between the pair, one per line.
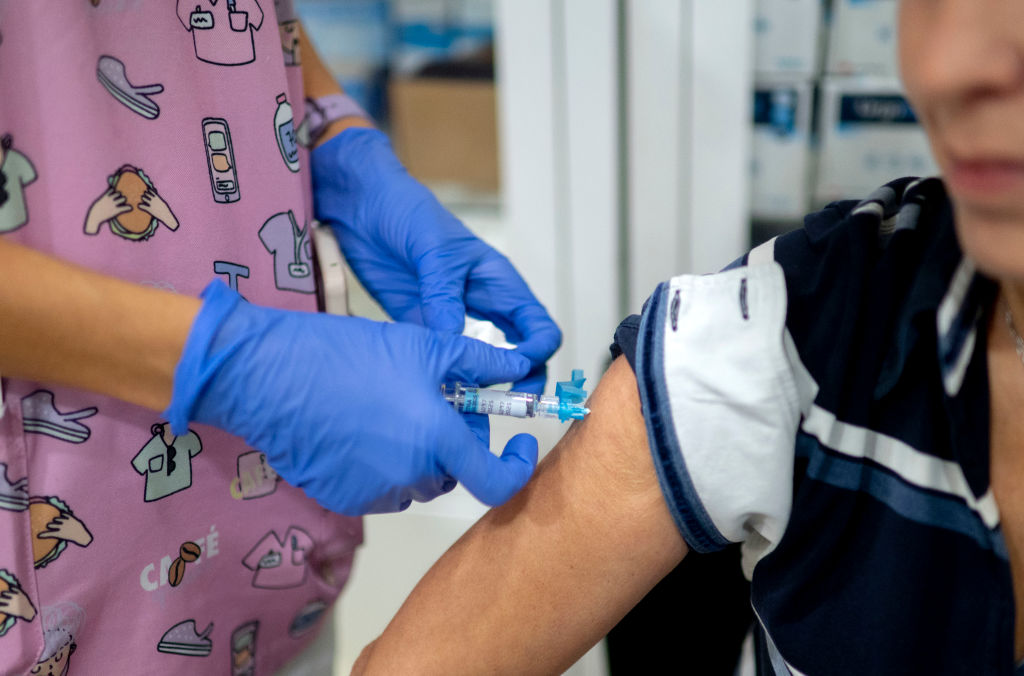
567,404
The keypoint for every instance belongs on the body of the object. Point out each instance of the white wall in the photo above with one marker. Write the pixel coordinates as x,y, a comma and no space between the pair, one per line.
689,86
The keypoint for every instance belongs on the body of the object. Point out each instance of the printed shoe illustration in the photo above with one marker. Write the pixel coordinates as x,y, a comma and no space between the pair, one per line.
40,416
111,74
13,496
182,639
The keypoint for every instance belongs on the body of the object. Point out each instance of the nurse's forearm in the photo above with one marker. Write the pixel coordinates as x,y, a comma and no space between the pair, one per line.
318,81
64,324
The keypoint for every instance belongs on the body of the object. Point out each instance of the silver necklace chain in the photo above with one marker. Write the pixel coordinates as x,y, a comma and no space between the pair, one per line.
1018,341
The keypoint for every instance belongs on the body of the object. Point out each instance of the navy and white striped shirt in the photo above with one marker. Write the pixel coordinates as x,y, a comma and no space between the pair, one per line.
825,403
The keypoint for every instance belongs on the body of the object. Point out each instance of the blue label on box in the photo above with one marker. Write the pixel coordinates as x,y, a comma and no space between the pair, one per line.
875,109
776,108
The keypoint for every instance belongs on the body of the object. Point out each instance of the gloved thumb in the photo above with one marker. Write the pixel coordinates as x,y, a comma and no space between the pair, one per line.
490,479
474,361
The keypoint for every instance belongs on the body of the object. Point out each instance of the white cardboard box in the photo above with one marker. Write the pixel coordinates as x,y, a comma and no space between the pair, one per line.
786,37
869,136
862,38
781,149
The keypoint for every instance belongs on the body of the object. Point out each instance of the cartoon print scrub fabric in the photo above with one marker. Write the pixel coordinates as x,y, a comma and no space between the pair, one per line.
152,151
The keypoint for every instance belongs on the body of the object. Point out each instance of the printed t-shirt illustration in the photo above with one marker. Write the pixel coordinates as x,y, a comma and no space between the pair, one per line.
131,205
183,639
166,461
284,131
40,416
280,564
61,623
14,603
243,649
16,171
220,160
255,477
52,522
233,271
222,32
292,250
111,73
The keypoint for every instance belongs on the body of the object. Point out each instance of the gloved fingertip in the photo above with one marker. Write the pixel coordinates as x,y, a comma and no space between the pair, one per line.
516,359
405,505
533,382
449,485
516,465
478,362
540,344
522,448
444,317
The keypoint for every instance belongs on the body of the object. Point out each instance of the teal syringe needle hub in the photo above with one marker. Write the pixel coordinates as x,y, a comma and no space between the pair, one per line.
567,404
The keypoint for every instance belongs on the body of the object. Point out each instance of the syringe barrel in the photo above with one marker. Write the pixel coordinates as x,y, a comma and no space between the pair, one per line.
490,402
498,402
514,404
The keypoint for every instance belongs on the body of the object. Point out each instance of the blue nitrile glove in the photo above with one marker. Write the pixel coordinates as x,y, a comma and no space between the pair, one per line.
348,409
421,264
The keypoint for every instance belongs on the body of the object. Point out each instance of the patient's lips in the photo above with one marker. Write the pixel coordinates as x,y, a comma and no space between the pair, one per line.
986,179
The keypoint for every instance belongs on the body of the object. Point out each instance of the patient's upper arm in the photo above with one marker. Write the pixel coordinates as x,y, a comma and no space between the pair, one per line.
539,580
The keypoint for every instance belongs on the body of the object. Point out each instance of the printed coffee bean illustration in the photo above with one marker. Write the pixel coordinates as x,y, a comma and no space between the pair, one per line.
190,551
176,572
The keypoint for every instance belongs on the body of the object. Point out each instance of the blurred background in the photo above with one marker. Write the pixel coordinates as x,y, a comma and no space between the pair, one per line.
604,146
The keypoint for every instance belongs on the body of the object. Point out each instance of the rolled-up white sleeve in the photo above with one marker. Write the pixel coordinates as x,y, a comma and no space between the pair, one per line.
721,404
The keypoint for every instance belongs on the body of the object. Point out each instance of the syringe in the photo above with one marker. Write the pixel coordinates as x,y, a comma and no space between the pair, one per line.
567,404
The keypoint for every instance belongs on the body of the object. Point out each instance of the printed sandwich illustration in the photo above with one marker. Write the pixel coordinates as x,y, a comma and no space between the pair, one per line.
131,206
7,582
133,184
41,512
53,525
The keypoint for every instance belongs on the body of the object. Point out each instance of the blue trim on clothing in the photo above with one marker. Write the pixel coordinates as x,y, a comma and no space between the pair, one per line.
684,504
917,504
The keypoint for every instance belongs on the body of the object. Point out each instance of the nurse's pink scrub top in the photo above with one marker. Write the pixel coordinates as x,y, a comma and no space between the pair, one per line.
155,143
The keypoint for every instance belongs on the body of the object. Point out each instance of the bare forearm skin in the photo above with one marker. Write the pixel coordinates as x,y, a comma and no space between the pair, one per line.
538,581
64,324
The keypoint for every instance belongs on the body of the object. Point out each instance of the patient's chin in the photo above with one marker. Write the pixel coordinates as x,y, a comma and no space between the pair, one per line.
994,240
